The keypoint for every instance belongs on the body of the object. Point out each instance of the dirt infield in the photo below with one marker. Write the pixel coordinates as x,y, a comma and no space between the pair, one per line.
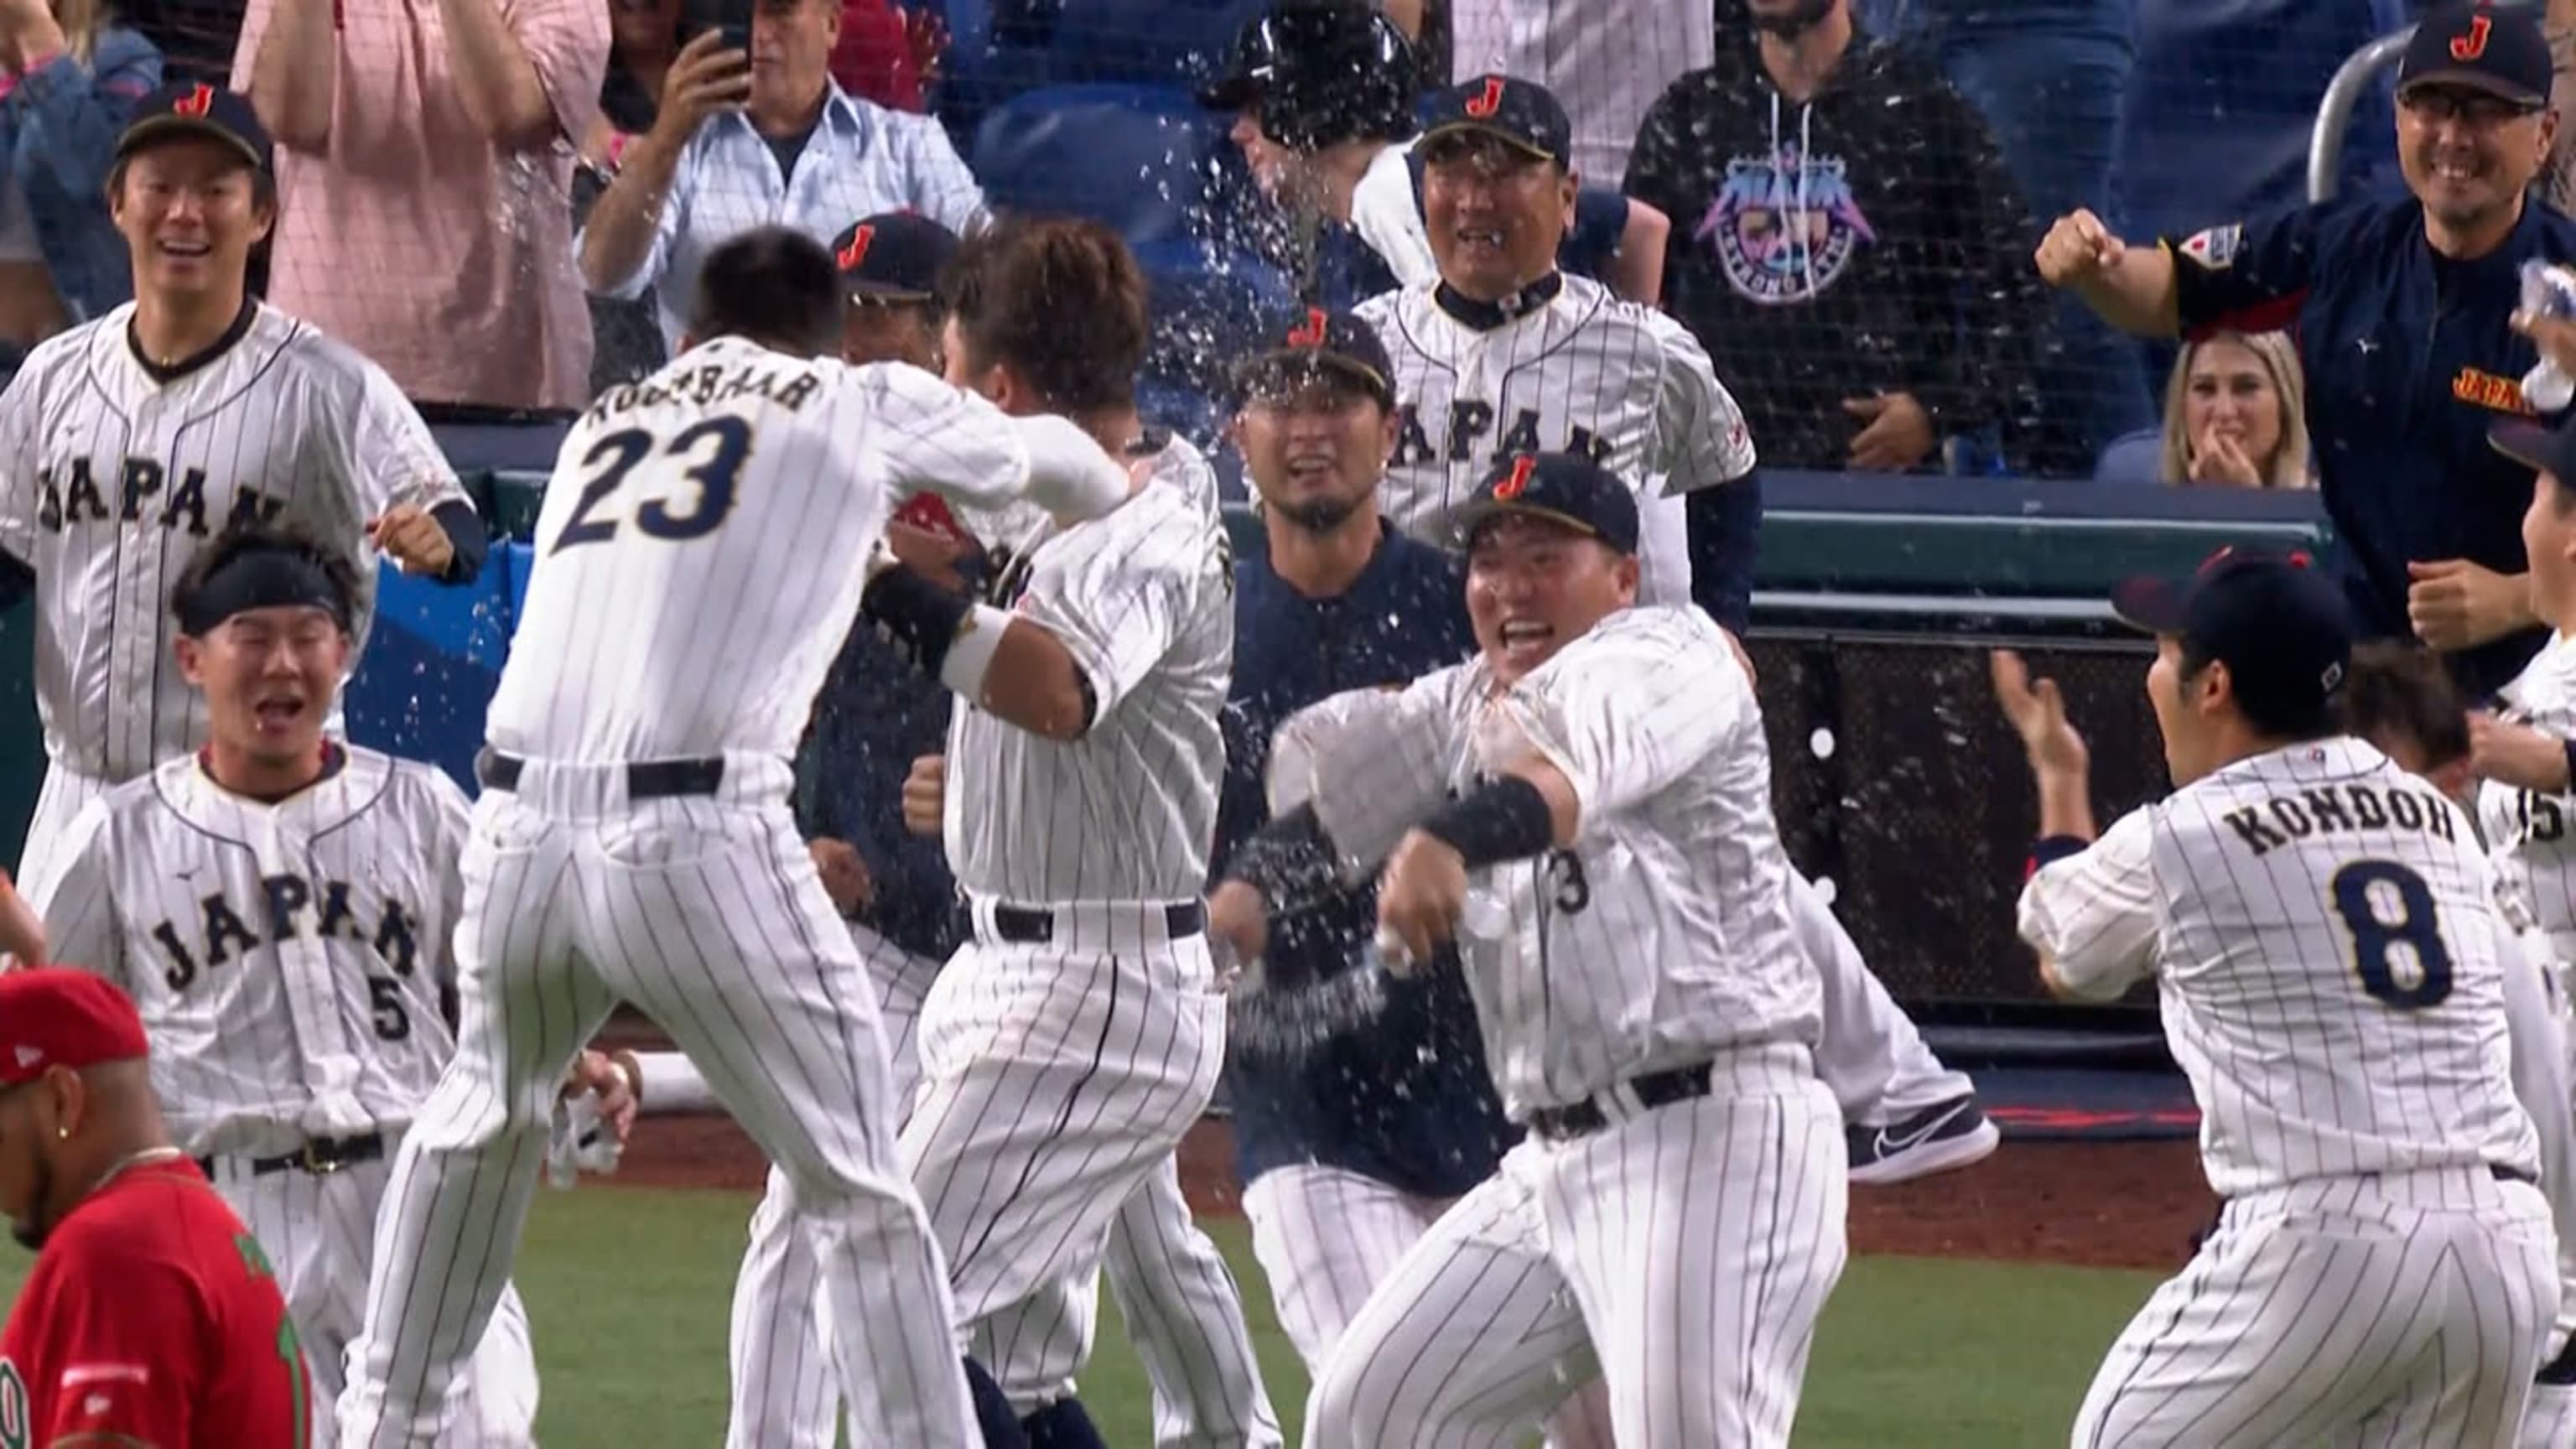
2116,1204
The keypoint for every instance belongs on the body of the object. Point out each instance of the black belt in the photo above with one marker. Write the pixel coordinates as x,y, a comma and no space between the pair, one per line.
320,1156
1654,1089
645,779
1033,926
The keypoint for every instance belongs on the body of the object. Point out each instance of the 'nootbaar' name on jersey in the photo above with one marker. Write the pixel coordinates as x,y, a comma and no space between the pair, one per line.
113,472
290,960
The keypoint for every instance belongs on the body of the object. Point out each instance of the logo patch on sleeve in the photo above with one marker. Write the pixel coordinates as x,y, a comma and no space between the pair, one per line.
2215,249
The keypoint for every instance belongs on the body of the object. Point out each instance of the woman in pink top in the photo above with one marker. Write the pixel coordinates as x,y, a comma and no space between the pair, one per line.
424,173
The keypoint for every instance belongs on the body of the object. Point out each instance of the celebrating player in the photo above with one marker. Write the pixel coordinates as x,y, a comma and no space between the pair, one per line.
634,838
1502,354
1181,1306
1079,800
1588,801
151,1316
129,441
1323,102
280,908
2324,936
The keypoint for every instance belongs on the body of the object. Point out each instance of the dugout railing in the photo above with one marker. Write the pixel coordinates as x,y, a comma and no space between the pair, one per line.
1876,602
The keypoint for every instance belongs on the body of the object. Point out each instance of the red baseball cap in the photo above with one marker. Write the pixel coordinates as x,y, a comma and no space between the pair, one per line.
56,1016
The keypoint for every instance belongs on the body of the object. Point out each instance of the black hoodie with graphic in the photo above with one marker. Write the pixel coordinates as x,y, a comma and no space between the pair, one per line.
1916,275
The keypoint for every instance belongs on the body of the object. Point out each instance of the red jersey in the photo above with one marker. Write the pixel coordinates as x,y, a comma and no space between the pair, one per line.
152,1319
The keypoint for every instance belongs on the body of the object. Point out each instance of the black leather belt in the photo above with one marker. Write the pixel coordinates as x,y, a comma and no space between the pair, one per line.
645,779
2502,1173
1032,926
320,1156
1654,1089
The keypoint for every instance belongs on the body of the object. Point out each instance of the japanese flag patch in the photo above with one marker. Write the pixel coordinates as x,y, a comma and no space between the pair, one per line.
2215,248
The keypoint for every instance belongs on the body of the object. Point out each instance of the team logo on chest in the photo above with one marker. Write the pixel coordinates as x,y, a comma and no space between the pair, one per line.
289,908
142,492
1783,227
1467,436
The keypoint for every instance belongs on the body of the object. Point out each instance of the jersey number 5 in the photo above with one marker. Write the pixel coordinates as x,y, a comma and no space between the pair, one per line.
712,452
2397,945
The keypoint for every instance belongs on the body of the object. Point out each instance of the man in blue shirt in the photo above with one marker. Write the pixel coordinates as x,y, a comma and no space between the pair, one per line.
1350,1141
2402,312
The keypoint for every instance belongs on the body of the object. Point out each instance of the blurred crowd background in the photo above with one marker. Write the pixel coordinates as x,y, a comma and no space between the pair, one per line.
437,216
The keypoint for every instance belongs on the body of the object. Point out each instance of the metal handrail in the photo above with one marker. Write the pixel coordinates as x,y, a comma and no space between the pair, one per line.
2343,96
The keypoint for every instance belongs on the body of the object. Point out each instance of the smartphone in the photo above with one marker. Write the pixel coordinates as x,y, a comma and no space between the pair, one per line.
730,19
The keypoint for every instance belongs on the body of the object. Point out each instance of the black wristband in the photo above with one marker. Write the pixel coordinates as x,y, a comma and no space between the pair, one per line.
916,617
1506,820
1288,860
2050,849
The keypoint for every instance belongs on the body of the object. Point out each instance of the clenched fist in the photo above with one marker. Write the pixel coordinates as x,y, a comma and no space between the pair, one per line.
2078,249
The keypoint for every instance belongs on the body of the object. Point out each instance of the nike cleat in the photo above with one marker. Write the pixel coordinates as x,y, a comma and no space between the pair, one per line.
1940,1137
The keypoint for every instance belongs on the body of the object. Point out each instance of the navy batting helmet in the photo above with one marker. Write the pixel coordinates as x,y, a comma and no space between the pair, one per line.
1321,72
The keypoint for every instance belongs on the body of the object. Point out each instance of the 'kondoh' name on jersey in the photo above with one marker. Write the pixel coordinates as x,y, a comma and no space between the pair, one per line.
2339,809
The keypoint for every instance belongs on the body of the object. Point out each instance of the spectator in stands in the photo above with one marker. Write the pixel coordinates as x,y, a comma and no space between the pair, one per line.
888,54
1853,259
425,184
68,84
2235,414
2048,77
1323,94
2403,312
644,42
759,139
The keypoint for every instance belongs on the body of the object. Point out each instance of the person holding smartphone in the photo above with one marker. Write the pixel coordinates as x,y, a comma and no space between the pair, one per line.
759,134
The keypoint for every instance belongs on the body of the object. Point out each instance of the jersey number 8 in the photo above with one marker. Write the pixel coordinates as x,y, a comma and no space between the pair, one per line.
2397,945
712,453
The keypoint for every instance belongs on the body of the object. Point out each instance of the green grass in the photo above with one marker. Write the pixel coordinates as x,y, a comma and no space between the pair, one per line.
628,1291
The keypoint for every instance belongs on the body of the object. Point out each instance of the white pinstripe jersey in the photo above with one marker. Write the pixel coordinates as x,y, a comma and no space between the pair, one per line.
2535,857
290,960
2328,960
111,477
703,542
1663,936
1144,601
1585,373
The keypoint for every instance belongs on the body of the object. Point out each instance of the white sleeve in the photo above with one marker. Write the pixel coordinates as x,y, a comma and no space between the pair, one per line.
1387,215
1372,762
925,434
1629,711
1117,609
78,902
672,1084
1704,436
393,458
19,505
2092,915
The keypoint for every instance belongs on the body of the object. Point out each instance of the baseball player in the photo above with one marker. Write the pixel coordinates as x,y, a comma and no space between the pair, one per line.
1585,807
695,575
1322,92
151,1317
279,907
2324,935
875,717
127,442
1070,1043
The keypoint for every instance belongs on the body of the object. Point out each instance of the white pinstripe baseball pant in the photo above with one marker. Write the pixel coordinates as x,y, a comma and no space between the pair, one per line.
1182,1309
1682,1254
2549,1420
2405,1308
706,913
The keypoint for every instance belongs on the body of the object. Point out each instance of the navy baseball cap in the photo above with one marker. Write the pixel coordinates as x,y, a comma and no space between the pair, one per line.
2275,620
1320,341
894,256
2538,446
2485,48
1560,487
190,108
1521,112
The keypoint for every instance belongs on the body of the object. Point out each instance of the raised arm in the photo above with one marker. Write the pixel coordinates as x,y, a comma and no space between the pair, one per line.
288,64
